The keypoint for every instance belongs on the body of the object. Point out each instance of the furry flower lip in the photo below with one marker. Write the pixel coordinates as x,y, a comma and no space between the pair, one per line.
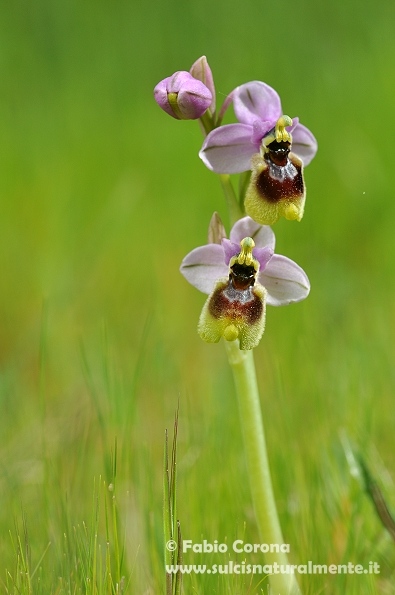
276,186
182,96
241,275
237,306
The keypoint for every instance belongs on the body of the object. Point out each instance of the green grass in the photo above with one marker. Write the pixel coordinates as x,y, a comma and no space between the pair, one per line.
101,196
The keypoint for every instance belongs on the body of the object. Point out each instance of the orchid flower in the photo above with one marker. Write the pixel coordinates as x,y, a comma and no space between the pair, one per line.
273,145
228,149
241,275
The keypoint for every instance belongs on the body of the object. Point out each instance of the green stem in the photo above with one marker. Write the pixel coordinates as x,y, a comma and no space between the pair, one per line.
243,368
207,122
235,211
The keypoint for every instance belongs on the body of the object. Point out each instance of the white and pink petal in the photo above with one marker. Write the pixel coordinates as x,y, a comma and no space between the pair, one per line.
230,249
304,143
228,149
262,235
256,101
285,281
204,266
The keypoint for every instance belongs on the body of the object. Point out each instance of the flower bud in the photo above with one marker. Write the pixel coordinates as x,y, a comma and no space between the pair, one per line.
201,71
182,96
216,230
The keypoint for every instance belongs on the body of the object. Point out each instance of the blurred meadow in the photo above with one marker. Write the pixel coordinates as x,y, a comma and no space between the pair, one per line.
101,196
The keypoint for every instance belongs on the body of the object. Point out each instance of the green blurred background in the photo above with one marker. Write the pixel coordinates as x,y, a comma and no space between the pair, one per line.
101,196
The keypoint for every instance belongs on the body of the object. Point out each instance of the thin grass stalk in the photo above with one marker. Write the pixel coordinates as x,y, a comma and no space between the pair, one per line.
115,518
178,581
167,525
173,479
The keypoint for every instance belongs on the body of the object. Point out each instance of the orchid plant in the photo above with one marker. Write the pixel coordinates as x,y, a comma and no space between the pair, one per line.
242,274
